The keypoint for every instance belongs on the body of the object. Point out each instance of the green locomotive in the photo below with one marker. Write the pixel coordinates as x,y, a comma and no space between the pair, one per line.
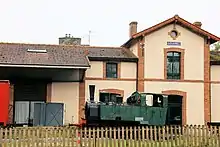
139,109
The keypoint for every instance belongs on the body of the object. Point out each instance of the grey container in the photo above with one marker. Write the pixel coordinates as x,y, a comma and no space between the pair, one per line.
48,114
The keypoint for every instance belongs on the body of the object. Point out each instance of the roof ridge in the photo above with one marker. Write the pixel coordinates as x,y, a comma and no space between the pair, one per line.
128,51
61,45
160,22
167,21
41,44
193,25
106,47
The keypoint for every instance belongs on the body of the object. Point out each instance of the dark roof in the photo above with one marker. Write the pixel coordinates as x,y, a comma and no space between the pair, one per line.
17,54
177,20
111,53
60,55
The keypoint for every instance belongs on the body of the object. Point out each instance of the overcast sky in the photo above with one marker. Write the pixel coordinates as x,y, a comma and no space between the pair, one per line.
44,21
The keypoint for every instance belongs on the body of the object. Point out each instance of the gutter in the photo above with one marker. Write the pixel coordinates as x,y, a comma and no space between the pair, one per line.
112,59
87,58
44,66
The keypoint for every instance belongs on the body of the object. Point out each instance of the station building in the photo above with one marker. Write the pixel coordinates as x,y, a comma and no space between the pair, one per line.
172,57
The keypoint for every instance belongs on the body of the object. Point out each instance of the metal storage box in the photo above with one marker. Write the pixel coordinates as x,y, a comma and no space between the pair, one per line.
48,114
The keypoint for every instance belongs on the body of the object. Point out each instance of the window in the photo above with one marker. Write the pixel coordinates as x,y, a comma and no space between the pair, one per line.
110,97
173,65
111,70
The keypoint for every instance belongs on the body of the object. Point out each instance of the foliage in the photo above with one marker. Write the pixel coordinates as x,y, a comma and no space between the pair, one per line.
215,57
215,52
217,46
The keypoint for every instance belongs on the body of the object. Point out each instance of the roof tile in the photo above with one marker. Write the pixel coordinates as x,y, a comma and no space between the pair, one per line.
111,52
58,55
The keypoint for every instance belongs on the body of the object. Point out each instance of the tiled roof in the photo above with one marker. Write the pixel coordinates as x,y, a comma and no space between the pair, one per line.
17,54
110,53
59,55
177,20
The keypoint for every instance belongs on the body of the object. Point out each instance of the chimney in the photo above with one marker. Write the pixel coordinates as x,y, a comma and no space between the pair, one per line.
132,28
91,92
198,24
86,52
68,40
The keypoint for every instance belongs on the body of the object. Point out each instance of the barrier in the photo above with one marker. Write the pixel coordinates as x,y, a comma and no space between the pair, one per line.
78,139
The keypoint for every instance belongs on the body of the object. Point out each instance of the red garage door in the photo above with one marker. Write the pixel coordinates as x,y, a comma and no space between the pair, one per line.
4,101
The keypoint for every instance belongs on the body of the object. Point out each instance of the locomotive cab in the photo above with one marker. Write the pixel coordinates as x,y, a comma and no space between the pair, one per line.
148,99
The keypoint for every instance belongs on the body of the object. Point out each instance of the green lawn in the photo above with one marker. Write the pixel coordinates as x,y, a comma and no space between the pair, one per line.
115,143
188,142
92,142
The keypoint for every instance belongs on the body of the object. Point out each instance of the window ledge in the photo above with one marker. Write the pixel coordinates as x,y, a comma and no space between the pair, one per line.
111,78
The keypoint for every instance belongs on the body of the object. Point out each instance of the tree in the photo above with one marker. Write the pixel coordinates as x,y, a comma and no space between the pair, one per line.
217,46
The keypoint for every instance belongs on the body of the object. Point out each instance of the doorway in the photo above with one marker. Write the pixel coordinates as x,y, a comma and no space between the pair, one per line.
26,93
174,113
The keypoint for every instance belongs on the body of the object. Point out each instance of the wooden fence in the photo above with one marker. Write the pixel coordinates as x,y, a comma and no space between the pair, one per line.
152,136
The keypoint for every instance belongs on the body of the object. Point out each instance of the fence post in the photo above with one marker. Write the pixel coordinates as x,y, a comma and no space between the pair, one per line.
78,137
168,135
1,136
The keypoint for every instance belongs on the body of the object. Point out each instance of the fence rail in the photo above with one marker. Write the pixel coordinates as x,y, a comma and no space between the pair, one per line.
164,136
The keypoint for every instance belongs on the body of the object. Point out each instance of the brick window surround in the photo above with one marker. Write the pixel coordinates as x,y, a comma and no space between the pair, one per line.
114,91
184,97
182,53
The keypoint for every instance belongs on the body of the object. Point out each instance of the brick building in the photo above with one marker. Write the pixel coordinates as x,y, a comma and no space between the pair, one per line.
171,57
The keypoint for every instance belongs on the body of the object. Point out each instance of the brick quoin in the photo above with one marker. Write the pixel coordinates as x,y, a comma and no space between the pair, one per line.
140,69
115,91
207,99
81,100
82,94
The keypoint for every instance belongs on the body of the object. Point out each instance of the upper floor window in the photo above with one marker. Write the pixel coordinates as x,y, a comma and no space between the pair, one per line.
173,65
111,70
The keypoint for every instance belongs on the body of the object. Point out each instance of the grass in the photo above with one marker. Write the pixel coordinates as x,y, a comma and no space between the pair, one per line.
168,143
67,137
180,142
